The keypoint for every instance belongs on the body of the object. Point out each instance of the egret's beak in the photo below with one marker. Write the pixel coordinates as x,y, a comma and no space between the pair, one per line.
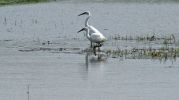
83,13
81,30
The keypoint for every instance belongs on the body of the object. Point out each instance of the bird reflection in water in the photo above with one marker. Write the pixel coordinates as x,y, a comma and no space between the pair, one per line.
93,64
91,59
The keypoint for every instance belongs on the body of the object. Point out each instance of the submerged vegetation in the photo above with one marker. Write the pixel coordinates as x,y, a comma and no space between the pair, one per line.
161,51
6,2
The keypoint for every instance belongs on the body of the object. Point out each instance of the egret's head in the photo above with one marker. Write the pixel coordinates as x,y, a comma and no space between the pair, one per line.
85,13
83,29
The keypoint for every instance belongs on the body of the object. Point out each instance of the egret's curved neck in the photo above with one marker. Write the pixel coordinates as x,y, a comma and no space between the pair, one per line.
87,34
86,21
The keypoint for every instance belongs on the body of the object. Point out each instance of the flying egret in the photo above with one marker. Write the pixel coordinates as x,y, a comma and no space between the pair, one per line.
95,37
91,28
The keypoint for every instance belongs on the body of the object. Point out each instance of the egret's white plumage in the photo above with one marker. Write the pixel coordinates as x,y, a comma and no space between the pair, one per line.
93,34
94,37
97,37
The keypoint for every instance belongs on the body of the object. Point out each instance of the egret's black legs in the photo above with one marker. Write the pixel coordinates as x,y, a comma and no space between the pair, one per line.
91,45
99,45
94,48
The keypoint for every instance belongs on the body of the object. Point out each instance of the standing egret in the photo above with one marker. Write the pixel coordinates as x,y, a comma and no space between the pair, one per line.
91,28
95,37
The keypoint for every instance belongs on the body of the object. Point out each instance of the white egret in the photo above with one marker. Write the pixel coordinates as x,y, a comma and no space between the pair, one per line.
91,28
95,37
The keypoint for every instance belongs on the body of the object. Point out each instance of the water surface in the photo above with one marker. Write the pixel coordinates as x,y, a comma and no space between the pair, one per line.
61,70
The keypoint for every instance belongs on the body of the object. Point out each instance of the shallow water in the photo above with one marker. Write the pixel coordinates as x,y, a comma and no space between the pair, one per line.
63,70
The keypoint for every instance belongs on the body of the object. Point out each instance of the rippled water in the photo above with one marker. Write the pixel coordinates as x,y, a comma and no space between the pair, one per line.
61,69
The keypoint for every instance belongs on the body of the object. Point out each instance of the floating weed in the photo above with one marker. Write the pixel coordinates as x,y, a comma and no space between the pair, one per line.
134,53
165,49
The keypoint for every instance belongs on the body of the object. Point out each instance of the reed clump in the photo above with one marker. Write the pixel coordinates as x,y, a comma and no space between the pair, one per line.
167,39
144,53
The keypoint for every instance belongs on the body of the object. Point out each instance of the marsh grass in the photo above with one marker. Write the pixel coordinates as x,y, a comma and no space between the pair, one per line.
166,40
158,47
161,48
134,53
145,53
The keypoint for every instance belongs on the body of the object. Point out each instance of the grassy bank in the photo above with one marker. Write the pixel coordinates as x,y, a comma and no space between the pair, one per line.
7,2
